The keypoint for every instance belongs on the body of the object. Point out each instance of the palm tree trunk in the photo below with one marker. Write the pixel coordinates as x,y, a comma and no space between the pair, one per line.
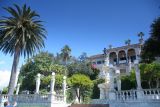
14,72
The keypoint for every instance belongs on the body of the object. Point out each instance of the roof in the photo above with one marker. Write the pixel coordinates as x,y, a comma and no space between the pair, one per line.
115,49
96,56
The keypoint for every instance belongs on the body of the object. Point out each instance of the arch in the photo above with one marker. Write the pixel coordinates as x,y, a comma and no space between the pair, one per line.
122,56
131,53
113,58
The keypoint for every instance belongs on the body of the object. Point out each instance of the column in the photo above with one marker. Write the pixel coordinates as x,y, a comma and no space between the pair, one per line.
126,56
112,94
138,76
130,66
117,58
17,90
64,88
38,83
102,92
119,84
111,79
107,60
52,83
138,52
118,79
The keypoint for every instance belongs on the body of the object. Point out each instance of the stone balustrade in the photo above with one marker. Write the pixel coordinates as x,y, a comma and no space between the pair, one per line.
126,95
151,94
32,98
147,94
59,98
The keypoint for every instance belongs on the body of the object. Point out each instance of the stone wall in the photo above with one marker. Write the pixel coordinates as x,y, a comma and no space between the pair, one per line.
136,103
90,105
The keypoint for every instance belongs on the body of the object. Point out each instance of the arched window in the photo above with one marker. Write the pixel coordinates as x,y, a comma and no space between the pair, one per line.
131,55
113,58
122,57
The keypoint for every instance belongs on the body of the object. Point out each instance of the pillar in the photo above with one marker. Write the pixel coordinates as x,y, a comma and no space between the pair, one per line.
111,80
107,60
52,83
117,58
119,84
130,66
38,83
118,79
17,89
102,92
126,56
64,88
138,52
137,72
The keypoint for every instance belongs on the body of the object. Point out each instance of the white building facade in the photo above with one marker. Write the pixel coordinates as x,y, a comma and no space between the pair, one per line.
119,57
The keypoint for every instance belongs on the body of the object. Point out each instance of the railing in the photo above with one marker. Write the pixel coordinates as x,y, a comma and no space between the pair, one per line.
151,94
30,98
126,95
145,94
33,98
59,98
3,97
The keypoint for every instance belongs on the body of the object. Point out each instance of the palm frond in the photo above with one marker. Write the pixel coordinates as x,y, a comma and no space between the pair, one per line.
22,30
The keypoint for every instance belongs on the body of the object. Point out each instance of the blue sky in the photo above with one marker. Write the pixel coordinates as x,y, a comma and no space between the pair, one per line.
88,25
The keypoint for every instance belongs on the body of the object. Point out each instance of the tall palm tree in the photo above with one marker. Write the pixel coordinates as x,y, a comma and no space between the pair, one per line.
22,34
65,53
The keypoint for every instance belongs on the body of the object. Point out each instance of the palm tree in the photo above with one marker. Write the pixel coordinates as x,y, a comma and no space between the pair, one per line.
141,34
65,53
128,42
22,34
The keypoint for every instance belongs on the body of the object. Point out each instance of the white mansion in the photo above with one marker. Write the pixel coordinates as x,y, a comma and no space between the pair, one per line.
119,57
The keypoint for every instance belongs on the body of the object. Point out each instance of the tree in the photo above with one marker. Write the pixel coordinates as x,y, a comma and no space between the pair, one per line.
151,48
128,42
80,67
150,74
141,34
82,86
83,57
65,53
129,81
42,63
22,34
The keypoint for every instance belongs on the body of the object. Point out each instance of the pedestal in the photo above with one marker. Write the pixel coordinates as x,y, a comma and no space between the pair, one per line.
140,94
112,95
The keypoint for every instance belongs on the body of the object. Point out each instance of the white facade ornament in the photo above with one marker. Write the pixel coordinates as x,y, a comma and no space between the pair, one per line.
64,88
107,60
52,83
129,66
38,81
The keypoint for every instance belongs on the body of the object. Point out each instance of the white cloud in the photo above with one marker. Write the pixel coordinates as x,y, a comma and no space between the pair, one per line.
4,78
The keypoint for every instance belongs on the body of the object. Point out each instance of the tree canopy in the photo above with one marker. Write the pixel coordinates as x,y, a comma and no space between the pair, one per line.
151,48
42,63
82,86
